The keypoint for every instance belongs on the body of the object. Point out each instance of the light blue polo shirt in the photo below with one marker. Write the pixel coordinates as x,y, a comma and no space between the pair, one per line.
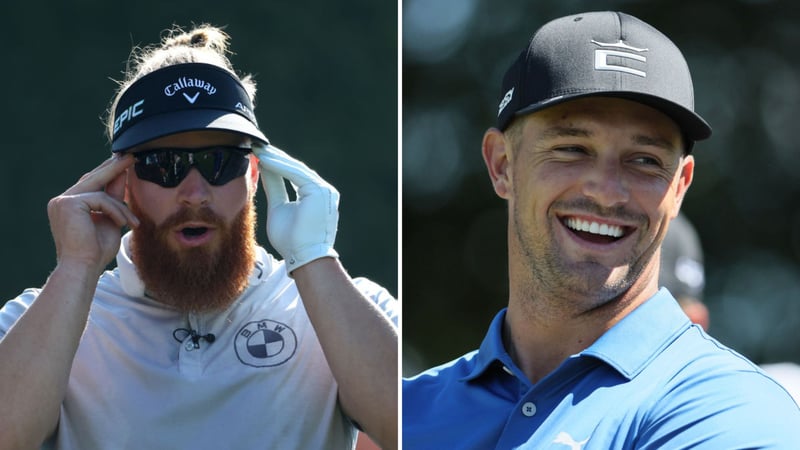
653,381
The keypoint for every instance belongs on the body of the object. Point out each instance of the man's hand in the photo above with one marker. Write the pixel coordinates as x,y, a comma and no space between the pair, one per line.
85,222
86,219
302,230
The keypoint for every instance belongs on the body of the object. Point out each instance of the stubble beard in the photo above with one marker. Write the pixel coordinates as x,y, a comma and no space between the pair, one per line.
198,279
572,287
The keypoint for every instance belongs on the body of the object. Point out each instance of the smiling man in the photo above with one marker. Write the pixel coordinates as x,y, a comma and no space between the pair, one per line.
592,153
199,338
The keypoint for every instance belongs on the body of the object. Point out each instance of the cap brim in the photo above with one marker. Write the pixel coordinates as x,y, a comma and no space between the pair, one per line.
181,121
691,124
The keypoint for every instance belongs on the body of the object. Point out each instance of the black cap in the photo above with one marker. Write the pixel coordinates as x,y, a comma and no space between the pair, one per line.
682,260
608,54
182,97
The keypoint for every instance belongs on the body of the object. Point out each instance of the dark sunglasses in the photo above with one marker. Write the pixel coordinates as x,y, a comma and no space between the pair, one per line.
167,167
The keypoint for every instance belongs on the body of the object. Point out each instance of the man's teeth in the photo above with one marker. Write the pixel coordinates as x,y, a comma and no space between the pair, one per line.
594,227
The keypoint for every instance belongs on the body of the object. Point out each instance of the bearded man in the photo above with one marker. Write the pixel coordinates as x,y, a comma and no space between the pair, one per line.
199,338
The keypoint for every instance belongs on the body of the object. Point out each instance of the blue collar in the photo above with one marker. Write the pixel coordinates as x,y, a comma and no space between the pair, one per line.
627,347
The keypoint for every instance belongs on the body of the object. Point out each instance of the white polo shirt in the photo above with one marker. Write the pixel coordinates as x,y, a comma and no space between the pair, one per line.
263,383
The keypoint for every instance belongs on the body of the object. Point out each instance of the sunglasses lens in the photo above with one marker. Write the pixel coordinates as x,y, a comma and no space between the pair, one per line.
168,167
162,167
221,165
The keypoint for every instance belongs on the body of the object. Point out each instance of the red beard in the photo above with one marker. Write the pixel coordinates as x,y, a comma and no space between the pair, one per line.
197,279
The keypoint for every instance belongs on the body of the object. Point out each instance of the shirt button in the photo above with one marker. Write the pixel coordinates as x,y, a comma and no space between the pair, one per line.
528,409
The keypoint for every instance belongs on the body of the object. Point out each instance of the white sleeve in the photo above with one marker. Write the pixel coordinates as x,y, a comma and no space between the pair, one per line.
385,301
13,309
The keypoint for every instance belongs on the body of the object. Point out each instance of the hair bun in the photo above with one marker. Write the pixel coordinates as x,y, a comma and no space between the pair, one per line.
201,37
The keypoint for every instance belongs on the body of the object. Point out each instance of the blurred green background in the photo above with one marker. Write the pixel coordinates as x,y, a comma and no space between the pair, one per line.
327,94
744,200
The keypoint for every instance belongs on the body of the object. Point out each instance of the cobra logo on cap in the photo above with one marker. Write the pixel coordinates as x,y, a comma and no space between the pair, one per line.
620,50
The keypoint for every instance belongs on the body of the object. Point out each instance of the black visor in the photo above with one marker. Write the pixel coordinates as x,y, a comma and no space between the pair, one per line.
182,97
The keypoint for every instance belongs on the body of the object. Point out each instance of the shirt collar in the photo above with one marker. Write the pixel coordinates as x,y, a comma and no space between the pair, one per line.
492,349
627,347
133,285
641,335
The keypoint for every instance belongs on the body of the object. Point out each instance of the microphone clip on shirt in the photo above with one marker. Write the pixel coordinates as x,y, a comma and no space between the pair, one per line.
180,335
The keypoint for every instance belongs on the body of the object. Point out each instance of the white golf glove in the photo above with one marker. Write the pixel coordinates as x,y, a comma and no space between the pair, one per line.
302,230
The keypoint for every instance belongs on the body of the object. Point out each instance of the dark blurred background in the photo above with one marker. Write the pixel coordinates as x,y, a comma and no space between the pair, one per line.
744,200
327,94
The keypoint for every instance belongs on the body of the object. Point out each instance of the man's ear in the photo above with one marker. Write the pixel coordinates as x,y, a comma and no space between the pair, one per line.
497,156
685,176
252,175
